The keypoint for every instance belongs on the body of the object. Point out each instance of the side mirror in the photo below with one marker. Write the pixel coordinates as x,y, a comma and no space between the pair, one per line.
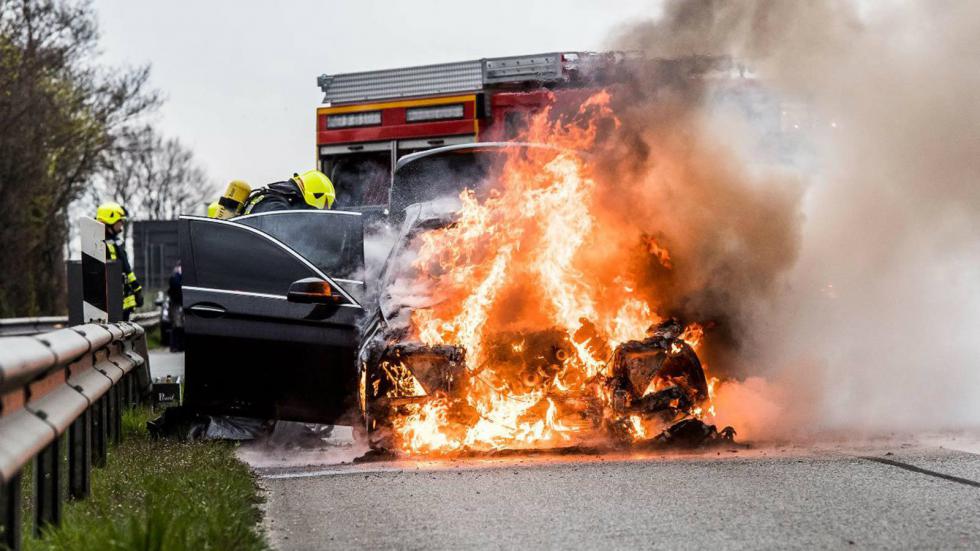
311,290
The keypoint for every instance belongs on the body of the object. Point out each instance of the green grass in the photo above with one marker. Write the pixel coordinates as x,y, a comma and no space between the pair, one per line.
162,495
153,337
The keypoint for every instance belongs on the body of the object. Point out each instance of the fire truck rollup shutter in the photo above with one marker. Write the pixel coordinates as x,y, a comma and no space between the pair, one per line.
407,82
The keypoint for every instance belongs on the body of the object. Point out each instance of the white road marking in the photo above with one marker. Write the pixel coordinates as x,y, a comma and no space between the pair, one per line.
327,472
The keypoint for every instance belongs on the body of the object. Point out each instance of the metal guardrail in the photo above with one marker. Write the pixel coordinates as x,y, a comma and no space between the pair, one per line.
10,327
76,380
13,327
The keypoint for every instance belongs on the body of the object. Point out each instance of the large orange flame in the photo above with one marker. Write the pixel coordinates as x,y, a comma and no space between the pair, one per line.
512,264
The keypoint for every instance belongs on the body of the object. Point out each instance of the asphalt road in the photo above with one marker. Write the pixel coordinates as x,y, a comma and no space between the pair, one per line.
164,362
890,493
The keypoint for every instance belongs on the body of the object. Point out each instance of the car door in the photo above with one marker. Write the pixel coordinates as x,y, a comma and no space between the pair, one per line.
250,349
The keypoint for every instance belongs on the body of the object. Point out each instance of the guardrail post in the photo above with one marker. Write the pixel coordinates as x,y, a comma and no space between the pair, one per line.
10,513
99,447
120,407
110,406
131,387
127,391
134,390
112,418
76,313
47,487
80,456
143,396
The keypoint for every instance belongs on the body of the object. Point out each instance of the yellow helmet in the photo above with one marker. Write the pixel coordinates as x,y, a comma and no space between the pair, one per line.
213,210
110,213
317,188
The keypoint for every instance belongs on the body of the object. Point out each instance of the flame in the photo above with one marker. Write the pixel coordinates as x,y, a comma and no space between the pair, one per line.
693,334
660,252
527,243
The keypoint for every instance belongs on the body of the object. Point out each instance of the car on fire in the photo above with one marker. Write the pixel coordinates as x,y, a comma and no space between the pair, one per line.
286,320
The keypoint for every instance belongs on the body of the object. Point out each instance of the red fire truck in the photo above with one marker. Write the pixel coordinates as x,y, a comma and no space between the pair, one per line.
370,119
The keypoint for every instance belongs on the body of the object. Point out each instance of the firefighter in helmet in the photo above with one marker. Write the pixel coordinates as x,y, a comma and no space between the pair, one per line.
309,190
113,215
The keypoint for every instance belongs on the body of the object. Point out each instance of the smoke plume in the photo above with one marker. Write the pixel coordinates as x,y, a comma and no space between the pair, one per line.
843,270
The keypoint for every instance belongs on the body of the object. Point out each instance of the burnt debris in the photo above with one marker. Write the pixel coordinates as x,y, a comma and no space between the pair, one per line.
652,394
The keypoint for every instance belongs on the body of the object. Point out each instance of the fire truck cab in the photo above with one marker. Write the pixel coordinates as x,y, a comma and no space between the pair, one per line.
371,119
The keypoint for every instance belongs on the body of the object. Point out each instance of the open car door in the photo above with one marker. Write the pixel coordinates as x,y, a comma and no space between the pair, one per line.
271,305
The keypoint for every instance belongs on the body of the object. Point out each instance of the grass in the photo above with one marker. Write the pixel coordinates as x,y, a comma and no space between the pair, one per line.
153,337
161,495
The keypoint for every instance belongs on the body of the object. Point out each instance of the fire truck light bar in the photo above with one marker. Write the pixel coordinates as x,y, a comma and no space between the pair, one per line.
442,112
349,120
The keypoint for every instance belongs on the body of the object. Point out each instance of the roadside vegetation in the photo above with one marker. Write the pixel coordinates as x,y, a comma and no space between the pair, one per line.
75,132
157,495
153,337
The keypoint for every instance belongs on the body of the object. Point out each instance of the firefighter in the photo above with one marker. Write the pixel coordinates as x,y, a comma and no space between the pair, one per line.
310,190
113,215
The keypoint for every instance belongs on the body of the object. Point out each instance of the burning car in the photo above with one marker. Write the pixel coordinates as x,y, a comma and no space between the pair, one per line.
491,326
450,362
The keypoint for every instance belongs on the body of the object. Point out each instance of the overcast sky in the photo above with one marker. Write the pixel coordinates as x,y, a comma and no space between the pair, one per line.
240,77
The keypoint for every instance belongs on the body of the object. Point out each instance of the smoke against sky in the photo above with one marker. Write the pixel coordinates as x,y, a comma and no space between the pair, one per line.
873,323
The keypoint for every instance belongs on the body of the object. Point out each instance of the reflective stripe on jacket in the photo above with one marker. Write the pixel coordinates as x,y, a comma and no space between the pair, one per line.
131,285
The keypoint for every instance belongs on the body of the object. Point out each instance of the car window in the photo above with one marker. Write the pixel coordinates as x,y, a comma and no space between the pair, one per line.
231,257
360,179
442,175
331,241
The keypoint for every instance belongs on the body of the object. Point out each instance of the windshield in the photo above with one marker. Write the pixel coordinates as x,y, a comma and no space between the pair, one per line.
360,180
445,174
425,195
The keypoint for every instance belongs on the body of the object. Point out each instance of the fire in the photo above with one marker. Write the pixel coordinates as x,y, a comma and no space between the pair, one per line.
660,252
693,334
537,321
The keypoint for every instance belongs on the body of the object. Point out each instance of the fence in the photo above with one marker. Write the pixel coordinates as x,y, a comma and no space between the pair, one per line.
75,380
155,252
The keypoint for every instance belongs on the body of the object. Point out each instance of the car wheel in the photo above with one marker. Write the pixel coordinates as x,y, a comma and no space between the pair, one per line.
371,427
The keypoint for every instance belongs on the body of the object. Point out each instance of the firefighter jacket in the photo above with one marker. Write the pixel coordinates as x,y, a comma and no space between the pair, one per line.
284,195
132,290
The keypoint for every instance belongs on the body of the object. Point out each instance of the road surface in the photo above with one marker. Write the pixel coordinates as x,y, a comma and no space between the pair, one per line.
164,362
921,492
890,493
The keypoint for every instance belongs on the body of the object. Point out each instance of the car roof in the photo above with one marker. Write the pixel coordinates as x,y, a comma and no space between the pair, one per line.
412,157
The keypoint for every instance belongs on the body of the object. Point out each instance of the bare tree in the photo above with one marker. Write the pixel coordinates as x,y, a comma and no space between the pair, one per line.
155,178
60,113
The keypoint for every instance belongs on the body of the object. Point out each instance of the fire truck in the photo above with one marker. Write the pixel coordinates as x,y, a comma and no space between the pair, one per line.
371,119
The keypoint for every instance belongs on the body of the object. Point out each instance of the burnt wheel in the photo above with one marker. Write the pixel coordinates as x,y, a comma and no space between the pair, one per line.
372,426
682,364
